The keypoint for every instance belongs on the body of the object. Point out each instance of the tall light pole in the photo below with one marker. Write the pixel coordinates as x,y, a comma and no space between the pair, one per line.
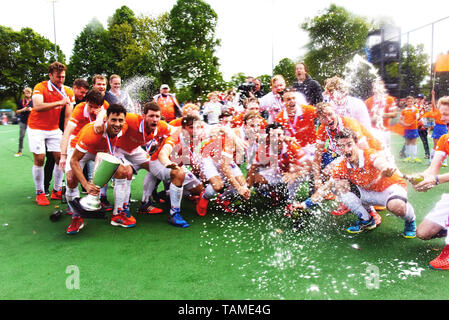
54,28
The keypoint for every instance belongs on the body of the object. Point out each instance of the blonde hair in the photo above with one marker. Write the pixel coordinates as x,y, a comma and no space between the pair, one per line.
321,106
189,107
210,94
27,89
277,78
443,100
335,83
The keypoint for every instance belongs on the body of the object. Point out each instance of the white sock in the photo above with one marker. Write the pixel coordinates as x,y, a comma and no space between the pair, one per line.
127,193
38,177
354,203
414,151
209,192
149,183
409,214
58,175
71,194
104,191
175,198
119,194
408,151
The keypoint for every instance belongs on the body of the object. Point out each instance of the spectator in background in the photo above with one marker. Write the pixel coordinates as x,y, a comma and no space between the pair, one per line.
212,108
170,108
80,88
337,92
99,82
23,110
309,87
258,91
115,82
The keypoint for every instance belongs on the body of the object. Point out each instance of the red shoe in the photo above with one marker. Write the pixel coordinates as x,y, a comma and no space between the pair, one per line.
148,208
225,205
341,210
376,216
442,261
122,220
289,210
195,198
76,226
42,200
56,195
201,206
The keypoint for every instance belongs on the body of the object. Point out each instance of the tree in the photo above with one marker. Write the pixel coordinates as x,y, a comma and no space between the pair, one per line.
91,52
335,36
24,57
286,68
191,47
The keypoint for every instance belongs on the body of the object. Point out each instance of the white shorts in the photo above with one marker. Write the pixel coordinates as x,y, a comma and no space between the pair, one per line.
272,175
310,152
38,139
211,169
162,173
375,198
440,213
87,157
135,159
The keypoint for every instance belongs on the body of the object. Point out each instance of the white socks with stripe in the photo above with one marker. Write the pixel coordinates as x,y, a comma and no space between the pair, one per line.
38,177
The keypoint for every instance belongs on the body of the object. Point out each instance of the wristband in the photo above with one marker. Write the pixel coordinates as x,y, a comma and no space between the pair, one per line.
437,181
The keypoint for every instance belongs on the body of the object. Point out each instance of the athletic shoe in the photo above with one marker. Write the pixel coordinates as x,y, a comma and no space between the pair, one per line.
225,205
201,206
195,198
18,154
417,160
42,200
177,220
56,195
121,220
376,216
408,159
362,225
427,156
77,224
379,208
442,261
341,210
409,230
441,234
148,208
128,213
289,210
105,204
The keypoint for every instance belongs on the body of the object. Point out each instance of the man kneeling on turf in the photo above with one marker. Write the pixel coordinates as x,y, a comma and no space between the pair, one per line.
89,144
376,181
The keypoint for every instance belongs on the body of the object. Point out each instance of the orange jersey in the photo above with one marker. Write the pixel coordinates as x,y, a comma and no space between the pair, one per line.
387,106
218,146
92,142
176,122
435,114
136,137
301,126
366,175
80,117
410,117
290,154
443,144
323,134
48,120
168,105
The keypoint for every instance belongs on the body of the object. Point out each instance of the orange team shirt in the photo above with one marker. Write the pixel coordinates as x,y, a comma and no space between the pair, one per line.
80,117
390,106
291,154
216,147
167,105
435,114
354,125
366,175
443,144
134,137
410,117
176,122
48,120
92,142
302,127
237,121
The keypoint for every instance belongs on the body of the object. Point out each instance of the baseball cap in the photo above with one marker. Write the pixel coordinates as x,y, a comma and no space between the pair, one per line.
420,95
165,86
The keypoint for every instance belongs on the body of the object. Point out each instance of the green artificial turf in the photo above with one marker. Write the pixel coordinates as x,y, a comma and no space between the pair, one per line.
250,255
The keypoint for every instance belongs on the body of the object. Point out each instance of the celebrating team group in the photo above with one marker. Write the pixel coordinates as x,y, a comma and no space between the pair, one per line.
338,143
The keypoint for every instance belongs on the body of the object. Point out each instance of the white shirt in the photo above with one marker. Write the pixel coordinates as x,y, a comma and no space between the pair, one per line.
354,108
273,105
212,111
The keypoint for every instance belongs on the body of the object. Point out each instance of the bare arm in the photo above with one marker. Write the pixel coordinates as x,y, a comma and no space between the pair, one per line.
78,172
64,143
39,104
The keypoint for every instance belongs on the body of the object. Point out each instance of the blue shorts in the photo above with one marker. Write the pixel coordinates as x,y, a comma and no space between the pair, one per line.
327,158
411,133
439,130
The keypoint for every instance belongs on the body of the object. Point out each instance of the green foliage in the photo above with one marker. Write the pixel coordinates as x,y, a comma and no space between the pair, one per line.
286,68
335,36
91,53
191,47
24,57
